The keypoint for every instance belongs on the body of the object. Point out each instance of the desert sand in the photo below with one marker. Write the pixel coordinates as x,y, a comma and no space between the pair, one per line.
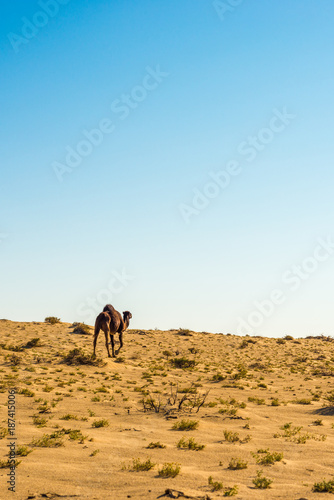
84,431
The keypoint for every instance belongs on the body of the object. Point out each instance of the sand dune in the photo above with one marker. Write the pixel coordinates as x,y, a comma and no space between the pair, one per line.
257,403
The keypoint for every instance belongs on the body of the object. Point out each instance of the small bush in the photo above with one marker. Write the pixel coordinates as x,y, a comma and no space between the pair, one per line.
48,441
8,463
139,466
218,377
232,437
215,485
15,360
35,342
230,492
69,416
156,445
324,486
100,423
23,451
26,392
190,444
81,329
261,482
186,425
185,332
39,421
183,363
169,469
269,458
75,435
78,357
258,401
237,464
3,432
52,320
95,452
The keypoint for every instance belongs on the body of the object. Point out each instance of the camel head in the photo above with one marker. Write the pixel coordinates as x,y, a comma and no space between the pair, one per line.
127,315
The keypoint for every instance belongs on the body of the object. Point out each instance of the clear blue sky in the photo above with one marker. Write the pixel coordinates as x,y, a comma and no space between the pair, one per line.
181,89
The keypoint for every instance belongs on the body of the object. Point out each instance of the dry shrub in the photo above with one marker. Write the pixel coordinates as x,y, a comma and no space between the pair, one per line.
78,357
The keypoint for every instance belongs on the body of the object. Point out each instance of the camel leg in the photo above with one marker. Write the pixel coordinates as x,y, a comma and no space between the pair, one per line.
112,345
95,340
120,341
107,343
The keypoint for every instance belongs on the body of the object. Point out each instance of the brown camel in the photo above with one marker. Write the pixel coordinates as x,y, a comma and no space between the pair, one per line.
110,322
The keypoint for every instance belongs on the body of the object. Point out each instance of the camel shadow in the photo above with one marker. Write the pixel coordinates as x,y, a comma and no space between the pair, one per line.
326,410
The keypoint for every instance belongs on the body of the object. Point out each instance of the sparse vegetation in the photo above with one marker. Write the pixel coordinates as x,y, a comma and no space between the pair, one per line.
81,329
261,481
52,320
190,444
78,357
156,445
237,464
139,466
148,399
183,363
215,485
23,451
186,425
324,486
100,423
267,458
232,437
169,469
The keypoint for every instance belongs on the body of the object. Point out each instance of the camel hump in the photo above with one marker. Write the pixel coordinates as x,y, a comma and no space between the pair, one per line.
109,309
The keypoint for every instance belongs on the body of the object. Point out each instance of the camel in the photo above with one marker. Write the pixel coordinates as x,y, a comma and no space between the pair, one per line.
110,322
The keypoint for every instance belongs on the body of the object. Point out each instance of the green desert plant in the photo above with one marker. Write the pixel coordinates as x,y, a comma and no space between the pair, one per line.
324,486
26,392
215,485
95,452
8,463
261,482
232,437
48,441
183,363
140,466
186,425
190,444
169,469
100,423
156,445
35,342
3,432
52,320
78,357
237,464
268,458
39,421
23,451
81,329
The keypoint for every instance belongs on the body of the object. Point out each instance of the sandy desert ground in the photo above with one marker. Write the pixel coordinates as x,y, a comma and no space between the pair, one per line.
212,409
